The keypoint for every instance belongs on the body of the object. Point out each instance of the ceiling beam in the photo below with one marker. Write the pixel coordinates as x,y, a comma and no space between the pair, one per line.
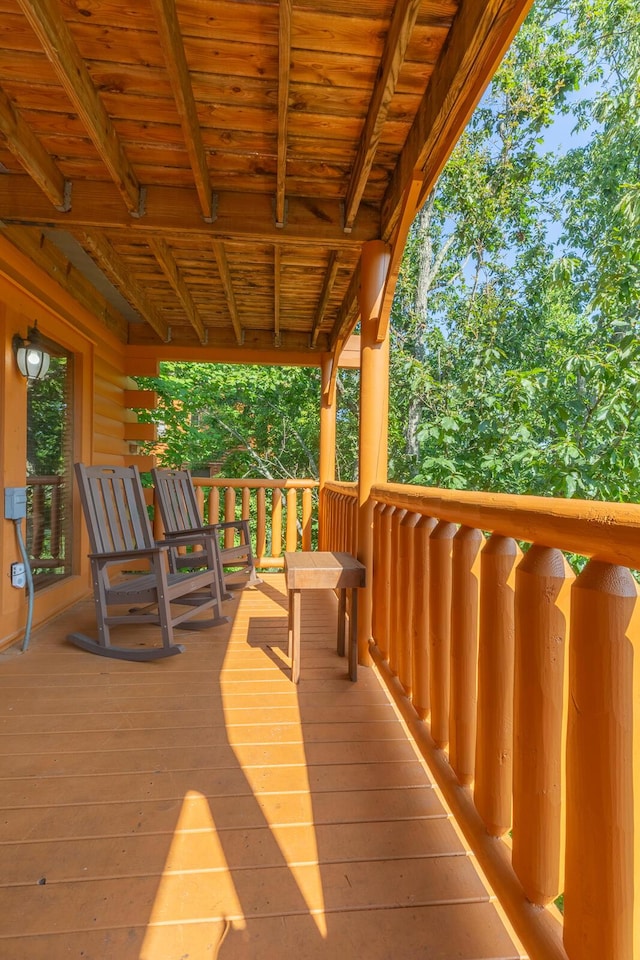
225,276
284,73
327,286
178,70
60,47
479,38
258,348
176,211
277,260
400,29
26,147
118,272
171,271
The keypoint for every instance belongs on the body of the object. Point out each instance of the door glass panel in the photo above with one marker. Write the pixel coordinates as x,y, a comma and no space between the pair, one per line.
49,463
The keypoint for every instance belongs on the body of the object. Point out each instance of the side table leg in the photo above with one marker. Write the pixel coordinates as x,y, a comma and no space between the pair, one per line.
294,607
342,611
353,636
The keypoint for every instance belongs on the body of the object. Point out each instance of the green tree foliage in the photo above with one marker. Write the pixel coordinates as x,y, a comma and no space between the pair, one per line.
516,317
47,420
252,421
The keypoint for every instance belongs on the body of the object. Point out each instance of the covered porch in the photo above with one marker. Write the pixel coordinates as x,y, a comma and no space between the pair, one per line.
235,183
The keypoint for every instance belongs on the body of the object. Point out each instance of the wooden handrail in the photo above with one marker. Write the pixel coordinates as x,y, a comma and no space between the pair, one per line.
606,531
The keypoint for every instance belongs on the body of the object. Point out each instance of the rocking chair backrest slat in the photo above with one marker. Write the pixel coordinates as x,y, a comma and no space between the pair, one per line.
114,506
179,507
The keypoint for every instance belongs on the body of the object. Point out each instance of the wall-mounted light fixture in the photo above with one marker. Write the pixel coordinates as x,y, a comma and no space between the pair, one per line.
31,357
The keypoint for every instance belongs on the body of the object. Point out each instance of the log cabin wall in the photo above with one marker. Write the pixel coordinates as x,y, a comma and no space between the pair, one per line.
101,419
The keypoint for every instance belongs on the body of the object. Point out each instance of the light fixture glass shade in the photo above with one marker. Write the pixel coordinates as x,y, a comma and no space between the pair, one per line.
31,357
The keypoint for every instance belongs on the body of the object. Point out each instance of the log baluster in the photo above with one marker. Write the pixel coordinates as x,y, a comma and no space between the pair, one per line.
261,523
291,535
406,566
276,522
378,598
396,586
440,552
420,619
229,514
465,593
384,625
543,582
307,509
496,643
246,503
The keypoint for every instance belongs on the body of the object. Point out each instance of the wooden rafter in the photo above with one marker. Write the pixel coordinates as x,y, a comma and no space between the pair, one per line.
178,70
284,71
118,272
347,315
26,147
225,276
42,252
402,23
56,39
171,271
176,211
277,265
478,39
327,286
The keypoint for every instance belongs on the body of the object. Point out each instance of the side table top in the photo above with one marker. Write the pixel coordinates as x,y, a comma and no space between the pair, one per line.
310,569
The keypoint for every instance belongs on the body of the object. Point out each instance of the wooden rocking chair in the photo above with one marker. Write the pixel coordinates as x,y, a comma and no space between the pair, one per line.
178,506
120,533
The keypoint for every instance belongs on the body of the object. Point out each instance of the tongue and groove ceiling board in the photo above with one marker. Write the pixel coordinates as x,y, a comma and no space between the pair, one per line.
222,161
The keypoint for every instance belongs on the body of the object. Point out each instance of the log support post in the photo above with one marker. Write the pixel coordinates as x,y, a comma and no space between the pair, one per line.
374,407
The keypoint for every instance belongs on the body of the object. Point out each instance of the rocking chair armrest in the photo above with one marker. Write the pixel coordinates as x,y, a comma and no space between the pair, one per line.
134,554
227,524
184,539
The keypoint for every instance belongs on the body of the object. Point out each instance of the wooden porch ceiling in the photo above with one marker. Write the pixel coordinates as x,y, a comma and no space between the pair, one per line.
222,163
206,806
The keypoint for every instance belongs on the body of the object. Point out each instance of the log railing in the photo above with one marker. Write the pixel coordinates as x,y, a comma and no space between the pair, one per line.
340,517
281,512
520,683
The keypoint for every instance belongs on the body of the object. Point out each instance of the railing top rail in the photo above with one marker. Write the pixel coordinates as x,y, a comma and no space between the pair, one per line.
605,531
255,484
55,480
344,489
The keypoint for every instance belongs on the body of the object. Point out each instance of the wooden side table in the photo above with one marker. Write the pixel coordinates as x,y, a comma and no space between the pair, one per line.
323,571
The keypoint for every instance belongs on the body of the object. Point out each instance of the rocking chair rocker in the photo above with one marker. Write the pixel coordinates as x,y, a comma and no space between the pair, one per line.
120,533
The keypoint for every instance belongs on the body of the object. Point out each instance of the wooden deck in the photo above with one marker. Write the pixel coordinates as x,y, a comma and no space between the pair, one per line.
204,806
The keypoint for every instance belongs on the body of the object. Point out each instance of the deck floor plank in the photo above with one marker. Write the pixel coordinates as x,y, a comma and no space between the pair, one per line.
204,806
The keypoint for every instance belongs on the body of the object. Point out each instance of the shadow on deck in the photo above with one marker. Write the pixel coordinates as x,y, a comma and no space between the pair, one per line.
203,806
